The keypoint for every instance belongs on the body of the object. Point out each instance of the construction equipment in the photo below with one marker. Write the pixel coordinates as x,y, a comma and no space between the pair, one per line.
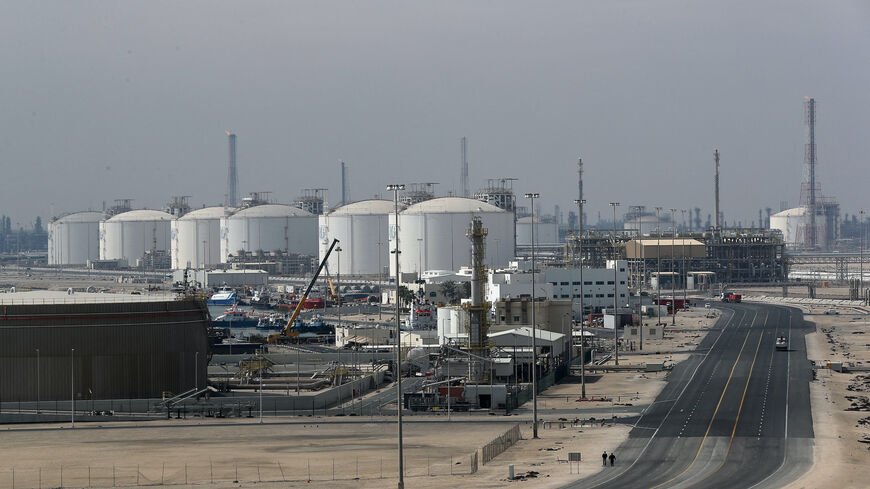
286,333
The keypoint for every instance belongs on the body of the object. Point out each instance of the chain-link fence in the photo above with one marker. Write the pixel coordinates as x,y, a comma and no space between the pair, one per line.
499,444
298,469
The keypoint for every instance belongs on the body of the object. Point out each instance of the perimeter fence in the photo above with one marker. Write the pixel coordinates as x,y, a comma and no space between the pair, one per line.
499,444
299,469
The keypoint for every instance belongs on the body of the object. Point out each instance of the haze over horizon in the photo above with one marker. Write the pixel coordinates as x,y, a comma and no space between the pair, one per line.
110,100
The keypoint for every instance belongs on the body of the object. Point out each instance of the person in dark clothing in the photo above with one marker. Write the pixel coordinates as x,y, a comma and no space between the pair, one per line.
604,459
612,458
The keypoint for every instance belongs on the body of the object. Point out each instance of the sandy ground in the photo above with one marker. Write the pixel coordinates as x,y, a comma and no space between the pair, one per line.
215,453
842,437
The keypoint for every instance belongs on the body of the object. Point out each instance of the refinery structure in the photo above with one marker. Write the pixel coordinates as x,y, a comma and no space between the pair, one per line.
486,292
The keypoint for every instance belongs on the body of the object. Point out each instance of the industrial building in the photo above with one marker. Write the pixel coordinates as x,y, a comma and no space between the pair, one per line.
108,346
732,256
561,283
268,227
432,234
74,239
361,228
195,238
129,235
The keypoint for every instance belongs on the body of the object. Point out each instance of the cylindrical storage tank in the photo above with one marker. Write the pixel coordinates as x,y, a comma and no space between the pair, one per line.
793,224
361,229
269,227
432,234
130,234
546,232
196,238
74,238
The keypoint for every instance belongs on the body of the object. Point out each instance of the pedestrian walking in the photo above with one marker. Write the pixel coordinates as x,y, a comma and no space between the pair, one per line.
612,458
604,459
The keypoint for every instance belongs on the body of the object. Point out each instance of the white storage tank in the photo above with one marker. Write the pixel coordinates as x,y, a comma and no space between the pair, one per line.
196,238
432,234
269,227
546,231
793,224
361,229
129,234
74,239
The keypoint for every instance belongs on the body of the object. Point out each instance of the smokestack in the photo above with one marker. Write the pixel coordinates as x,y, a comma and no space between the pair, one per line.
343,182
478,310
580,178
463,176
716,186
232,175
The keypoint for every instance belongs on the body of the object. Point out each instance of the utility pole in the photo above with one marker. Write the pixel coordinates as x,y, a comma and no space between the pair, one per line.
395,188
673,282
658,267
580,203
532,197
615,289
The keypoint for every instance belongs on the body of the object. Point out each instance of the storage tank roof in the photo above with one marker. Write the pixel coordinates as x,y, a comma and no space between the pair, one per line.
215,212
365,207
141,215
537,220
86,216
793,212
271,210
445,205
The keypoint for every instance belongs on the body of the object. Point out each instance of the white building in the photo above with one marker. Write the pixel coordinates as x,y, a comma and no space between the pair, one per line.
560,283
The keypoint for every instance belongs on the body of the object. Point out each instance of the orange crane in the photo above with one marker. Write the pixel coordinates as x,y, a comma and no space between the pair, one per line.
275,338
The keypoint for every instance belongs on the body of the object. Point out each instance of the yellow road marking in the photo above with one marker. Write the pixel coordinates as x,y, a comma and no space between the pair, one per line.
740,409
716,411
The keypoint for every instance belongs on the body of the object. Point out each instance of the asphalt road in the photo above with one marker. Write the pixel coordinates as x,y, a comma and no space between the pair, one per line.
734,416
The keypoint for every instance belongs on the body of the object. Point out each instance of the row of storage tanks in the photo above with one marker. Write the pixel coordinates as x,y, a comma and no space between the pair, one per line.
431,235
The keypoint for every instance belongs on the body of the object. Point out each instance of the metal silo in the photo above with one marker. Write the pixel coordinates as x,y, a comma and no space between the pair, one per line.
361,228
269,227
546,231
130,234
74,239
432,234
196,238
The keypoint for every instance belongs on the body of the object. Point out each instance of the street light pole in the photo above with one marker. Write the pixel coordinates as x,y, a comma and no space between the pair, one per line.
72,387
658,268
861,260
673,282
338,298
685,270
532,197
615,289
638,209
580,203
37,381
395,188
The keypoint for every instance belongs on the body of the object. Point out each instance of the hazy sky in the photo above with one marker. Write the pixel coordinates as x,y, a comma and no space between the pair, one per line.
104,100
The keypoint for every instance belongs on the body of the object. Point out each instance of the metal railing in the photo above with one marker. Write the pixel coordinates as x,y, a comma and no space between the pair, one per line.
499,444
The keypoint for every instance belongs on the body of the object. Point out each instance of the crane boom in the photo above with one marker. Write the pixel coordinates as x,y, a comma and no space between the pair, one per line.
308,290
